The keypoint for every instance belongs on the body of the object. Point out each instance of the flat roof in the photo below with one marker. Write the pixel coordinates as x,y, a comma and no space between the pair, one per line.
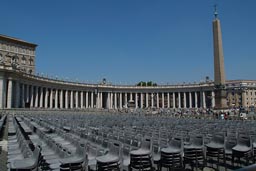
16,40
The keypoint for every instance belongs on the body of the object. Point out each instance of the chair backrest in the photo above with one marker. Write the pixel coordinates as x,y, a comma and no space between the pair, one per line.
176,143
230,143
146,143
115,149
244,141
218,138
197,140
37,156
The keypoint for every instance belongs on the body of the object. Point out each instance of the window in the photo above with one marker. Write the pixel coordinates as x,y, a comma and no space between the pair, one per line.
31,61
23,60
14,59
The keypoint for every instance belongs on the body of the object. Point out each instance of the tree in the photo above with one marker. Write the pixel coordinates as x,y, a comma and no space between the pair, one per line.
148,83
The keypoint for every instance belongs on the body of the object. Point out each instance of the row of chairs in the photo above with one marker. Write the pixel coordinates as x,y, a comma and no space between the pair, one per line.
20,156
124,130
2,123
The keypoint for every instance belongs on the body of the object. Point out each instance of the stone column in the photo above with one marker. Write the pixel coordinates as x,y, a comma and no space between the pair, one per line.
61,99
36,96
125,100
66,99
77,103
146,100
17,100
23,95
136,100
2,91
173,100
51,98
46,98
141,100
32,96
162,100
157,100
111,100
190,100
115,101
86,100
71,99
9,95
56,98
213,99
179,100
82,99
27,93
101,100
108,100
196,105
121,100
98,100
41,97
204,103
168,100
152,100
92,102
185,100
131,96
243,100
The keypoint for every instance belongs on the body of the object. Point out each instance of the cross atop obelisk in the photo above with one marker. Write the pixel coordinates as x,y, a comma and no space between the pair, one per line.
219,71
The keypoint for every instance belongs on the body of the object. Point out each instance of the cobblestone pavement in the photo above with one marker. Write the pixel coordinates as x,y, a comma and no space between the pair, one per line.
3,144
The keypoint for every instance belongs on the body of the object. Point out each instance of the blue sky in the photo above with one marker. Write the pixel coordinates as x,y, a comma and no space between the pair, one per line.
126,41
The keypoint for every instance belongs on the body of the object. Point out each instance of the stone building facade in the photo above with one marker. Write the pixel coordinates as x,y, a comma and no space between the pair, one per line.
17,54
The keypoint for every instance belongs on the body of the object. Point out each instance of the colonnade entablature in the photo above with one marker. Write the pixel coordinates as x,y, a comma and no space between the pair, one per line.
21,90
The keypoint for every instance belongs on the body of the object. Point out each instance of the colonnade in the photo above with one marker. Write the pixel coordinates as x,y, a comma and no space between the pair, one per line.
22,94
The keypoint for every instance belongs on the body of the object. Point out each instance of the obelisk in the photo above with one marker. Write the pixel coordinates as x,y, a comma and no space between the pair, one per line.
219,72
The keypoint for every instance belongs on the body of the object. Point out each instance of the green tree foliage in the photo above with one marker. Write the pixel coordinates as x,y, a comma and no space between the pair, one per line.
144,84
